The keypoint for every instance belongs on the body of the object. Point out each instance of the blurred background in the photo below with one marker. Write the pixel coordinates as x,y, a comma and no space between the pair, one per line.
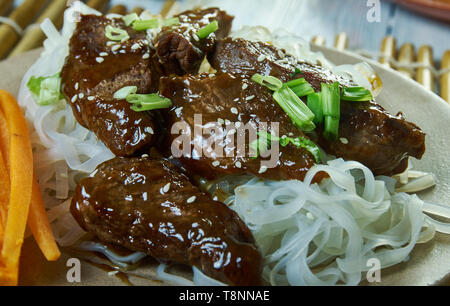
411,36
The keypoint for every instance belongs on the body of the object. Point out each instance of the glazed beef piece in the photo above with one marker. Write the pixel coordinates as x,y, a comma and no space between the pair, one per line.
95,70
371,136
230,104
147,205
180,50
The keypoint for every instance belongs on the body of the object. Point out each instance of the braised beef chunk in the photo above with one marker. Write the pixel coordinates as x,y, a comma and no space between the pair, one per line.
371,136
148,206
95,70
180,50
231,104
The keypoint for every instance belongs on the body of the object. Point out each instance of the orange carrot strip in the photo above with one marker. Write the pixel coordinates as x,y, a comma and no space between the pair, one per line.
21,177
4,140
4,197
39,225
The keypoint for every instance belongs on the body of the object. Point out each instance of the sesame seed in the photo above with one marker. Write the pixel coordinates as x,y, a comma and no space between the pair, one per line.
343,140
237,124
178,111
110,43
99,60
262,169
250,98
232,132
77,86
220,121
81,95
149,130
115,48
166,187
144,155
91,98
146,55
122,51
196,38
112,273
234,110
238,164
215,163
104,54
227,122
74,98
135,46
215,198
261,58
244,86
191,199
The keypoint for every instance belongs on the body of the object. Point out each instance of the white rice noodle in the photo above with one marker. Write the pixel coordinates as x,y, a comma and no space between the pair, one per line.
325,234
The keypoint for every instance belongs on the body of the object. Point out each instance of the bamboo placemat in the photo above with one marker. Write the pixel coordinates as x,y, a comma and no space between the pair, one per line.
24,34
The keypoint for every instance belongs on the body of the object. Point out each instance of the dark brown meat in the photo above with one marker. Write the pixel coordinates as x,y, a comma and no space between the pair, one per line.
223,98
148,206
178,48
370,135
90,79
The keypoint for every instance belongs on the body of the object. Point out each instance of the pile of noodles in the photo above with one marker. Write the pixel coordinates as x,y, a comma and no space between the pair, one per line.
308,234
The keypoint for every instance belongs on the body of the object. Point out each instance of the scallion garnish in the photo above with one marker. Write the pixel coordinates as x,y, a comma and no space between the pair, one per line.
356,94
130,18
208,29
124,92
170,22
270,82
296,71
116,34
331,101
45,90
266,138
299,113
142,25
300,87
315,105
147,102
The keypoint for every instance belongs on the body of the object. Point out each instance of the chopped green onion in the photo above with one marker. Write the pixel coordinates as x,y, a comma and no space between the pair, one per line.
296,71
46,90
208,29
299,142
356,94
331,99
148,102
116,34
315,105
124,92
331,131
300,87
270,82
170,22
130,18
299,113
142,25
261,144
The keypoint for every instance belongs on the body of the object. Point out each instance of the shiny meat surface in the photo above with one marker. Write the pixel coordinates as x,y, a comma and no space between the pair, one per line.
179,49
370,135
228,100
95,70
146,205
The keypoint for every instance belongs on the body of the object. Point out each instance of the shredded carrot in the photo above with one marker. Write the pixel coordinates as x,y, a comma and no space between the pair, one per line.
39,225
4,197
21,179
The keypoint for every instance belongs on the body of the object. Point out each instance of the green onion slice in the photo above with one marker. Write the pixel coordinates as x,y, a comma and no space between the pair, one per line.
270,82
208,29
299,113
130,18
331,130
331,99
116,34
299,142
356,94
315,105
124,92
300,87
142,25
170,22
147,102
46,90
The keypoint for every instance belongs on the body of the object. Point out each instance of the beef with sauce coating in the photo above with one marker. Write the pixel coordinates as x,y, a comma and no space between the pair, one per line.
95,70
367,133
147,205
